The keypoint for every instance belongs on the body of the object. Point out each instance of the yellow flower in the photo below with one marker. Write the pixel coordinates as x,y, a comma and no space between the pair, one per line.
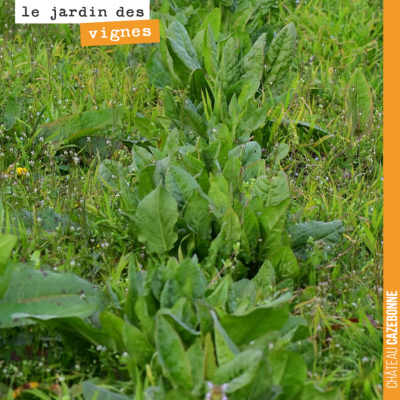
22,171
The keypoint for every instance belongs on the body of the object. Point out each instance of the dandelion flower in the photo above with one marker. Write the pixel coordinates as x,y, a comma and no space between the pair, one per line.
22,171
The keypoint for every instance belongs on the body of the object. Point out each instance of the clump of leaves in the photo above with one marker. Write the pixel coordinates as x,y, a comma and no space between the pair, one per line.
193,337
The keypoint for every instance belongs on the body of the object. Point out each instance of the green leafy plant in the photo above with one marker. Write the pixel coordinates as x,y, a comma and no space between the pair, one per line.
199,218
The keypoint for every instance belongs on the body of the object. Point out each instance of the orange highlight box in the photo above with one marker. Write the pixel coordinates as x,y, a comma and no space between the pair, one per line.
120,32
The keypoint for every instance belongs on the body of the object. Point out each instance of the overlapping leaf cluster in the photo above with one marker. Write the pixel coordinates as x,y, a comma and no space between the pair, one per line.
209,315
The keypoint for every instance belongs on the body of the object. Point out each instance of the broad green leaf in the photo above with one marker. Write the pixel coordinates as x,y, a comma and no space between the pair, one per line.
252,153
285,263
157,72
265,278
5,277
247,91
247,153
219,200
171,354
232,172
180,184
182,52
197,215
195,121
135,289
280,56
156,217
137,345
7,243
272,223
245,289
141,158
218,182
232,227
197,85
210,363
311,391
229,67
183,65
193,165
196,359
45,295
93,392
253,62
254,170
252,121
203,314
187,333
179,394
226,139
178,33
146,179
240,371
329,232
220,295
359,103
251,227
198,43
79,125
170,105
261,386
213,20
172,143
272,191
210,154
289,371
242,329
112,325
210,53
171,294
226,349
191,279
74,329
214,250
296,328
144,126
146,322
241,18
283,150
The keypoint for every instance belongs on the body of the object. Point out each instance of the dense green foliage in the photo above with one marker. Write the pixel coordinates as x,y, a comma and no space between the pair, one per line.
197,219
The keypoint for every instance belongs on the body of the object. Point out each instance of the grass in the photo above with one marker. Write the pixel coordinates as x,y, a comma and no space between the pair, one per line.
333,175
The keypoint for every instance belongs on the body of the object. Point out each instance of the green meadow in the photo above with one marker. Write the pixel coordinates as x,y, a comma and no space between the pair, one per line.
197,219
